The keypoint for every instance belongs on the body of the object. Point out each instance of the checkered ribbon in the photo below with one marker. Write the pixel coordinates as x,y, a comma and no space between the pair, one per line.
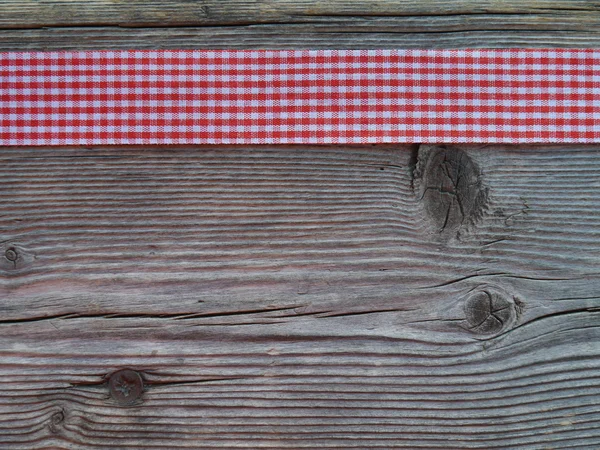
299,96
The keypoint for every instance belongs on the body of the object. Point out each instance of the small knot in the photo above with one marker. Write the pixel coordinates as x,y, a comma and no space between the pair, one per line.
126,386
55,421
11,254
57,418
488,311
15,256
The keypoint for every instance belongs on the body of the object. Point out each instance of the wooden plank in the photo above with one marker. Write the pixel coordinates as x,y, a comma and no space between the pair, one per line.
370,35
27,14
105,24
432,29
301,297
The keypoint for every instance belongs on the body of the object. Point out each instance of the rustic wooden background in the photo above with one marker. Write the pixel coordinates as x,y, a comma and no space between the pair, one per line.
392,296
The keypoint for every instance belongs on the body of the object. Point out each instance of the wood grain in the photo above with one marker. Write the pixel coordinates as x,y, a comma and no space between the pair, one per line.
20,14
112,24
291,37
296,297
300,297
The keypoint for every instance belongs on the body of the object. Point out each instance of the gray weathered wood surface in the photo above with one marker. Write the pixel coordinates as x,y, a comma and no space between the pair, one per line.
296,296
78,24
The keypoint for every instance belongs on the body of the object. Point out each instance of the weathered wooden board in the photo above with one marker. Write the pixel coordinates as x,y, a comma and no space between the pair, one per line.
289,37
298,297
98,24
27,14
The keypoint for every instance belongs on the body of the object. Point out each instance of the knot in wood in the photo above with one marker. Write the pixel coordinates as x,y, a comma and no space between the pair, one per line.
55,421
126,386
57,418
489,312
11,254
448,183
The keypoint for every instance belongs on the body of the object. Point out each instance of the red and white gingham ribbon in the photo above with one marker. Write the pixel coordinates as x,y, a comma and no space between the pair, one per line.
299,96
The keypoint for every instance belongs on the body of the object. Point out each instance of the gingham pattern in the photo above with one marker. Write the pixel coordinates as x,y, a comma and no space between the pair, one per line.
268,97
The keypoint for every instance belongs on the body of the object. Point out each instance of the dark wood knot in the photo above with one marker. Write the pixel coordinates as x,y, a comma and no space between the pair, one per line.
14,256
11,254
488,311
448,183
126,386
56,421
